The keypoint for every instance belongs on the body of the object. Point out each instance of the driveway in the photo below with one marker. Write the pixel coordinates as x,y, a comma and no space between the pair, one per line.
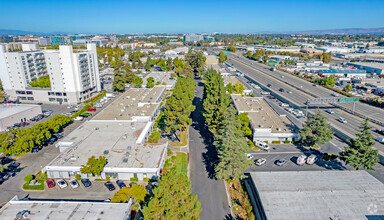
210,191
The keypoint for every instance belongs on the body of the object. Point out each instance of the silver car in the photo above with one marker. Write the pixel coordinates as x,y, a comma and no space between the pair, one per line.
261,161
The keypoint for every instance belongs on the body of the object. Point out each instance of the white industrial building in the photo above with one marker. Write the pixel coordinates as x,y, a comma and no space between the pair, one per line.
119,133
11,114
73,74
373,68
62,210
335,49
266,124
344,74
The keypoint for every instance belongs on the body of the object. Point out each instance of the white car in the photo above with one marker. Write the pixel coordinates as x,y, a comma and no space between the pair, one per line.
77,108
312,159
78,118
334,94
261,161
330,111
69,106
62,184
249,156
74,184
342,120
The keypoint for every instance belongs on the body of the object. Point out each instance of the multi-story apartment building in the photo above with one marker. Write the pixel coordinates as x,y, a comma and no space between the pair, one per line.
74,75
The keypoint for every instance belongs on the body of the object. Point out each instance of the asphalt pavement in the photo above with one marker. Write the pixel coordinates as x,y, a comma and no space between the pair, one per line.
203,156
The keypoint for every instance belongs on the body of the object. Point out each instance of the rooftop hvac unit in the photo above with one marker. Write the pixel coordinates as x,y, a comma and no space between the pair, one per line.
96,128
125,160
129,148
279,129
106,152
260,126
261,109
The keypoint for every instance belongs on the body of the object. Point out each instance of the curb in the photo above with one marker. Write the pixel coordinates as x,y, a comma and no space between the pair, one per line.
229,200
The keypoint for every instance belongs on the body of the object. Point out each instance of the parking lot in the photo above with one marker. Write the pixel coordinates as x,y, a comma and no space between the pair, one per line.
290,153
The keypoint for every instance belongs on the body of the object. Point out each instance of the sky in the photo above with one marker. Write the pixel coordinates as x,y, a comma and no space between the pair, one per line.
193,16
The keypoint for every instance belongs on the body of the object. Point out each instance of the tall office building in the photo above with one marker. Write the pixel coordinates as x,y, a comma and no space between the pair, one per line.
193,37
74,75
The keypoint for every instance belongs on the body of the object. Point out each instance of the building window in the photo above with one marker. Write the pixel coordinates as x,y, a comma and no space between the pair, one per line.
64,94
52,99
65,100
21,97
29,92
58,94
20,92
30,98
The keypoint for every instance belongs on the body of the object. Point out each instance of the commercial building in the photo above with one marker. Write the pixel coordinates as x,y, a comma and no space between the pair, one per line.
315,195
193,37
11,114
63,210
373,68
311,51
73,74
64,40
84,42
164,78
45,41
266,124
344,74
279,58
119,133
334,50
5,39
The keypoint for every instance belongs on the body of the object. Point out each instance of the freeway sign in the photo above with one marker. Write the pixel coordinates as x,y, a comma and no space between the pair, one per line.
226,52
351,99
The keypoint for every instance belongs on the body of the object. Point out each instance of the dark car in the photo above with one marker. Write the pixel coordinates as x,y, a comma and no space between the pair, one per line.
281,90
120,183
25,123
269,85
58,135
13,165
86,182
52,140
35,149
280,162
109,186
379,131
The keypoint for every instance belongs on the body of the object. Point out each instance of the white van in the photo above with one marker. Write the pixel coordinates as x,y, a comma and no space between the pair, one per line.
311,159
262,145
301,160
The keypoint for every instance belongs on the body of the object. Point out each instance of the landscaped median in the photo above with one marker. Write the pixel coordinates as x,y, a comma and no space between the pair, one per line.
35,182
179,161
241,203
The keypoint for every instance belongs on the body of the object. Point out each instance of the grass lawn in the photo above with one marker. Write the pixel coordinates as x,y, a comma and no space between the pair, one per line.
184,140
155,136
40,187
181,163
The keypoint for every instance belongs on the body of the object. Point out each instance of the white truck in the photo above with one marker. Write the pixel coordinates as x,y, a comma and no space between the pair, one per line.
110,95
262,145
301,160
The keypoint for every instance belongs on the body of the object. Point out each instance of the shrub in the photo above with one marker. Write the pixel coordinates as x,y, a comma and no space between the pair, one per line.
39,186
334,157
134,179
326,157
169,151
78,177
108,178
28,178
287,142
146,179
276,142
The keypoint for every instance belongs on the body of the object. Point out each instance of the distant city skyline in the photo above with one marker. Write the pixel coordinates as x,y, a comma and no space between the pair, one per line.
188,17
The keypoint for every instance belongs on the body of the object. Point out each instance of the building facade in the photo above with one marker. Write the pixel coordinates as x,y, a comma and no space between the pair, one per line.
74,75
193,38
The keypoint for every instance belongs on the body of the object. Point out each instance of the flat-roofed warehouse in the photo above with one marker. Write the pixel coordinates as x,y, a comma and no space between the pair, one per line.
265,123
163,77
16,113
142,104
316,195
63,210
121,142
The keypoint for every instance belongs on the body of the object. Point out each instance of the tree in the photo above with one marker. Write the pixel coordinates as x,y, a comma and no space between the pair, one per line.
121,196
137,82
162,64
150,82
316,130
169,64
173,199
232,48
360,153
179,106
348,87
230,88
149,63
222,57
179,65
173,75
188,71
232,148
138,192
326,57
244,120
129,76
28,178
215,100
239,88
118,82
196,60
94,166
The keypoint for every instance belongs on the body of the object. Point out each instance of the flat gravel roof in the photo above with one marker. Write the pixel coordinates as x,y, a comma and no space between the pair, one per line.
7,110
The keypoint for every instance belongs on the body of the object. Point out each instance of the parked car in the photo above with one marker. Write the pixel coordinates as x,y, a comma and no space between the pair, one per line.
35,149
74,184
77,108
51,183
249,156
301,160
86,182
91,109
25,123
62,184
380,139
52,140
312,159
109,186
69,106
78,118
261,161
58,135
280,162
334,94
262,145
13,165
120,183
330,111
379,131
342,120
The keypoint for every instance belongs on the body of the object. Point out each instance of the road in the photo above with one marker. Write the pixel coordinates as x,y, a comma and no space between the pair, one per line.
210,191
299,96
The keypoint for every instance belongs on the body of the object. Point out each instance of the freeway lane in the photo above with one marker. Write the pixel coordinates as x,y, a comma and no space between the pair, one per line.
298,97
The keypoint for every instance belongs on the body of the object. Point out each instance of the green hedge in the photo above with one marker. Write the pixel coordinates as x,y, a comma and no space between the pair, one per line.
276,142
82,110
96,98
134,179
287,142
154,137
40,187
146,179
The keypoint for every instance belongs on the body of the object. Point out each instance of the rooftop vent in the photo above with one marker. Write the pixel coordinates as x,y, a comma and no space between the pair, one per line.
129,148
260,126
279,129
96,128
125,160
106,152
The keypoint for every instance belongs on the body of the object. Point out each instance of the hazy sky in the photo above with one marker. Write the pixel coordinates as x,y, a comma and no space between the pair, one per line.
96,16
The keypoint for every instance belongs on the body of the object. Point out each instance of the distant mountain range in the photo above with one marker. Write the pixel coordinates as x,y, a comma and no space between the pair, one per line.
379,30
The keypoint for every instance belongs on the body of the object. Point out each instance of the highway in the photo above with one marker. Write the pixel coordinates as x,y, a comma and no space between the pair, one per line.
301,92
